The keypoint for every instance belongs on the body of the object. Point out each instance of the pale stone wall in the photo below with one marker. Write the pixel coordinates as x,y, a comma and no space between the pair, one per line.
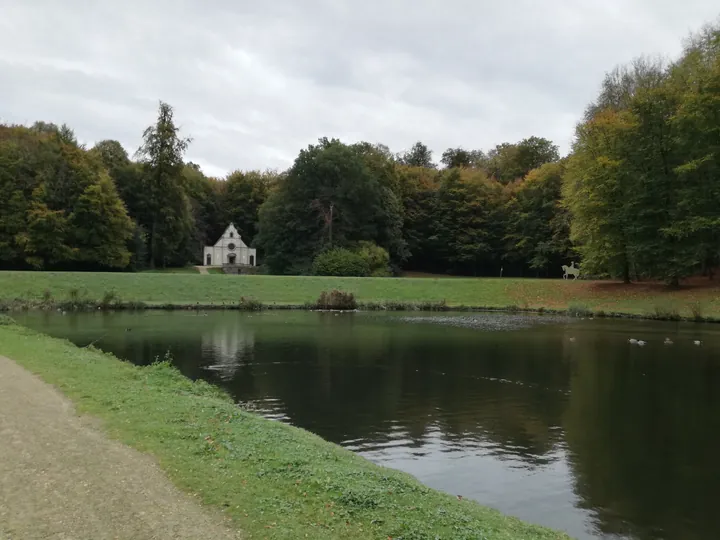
229,249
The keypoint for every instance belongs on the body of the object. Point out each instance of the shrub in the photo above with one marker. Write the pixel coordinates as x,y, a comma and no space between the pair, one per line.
249,304
6,321
336,300
378,259
696,308
340,262
430,305
47,297
579,310
109,299
77,301
135,305
667,313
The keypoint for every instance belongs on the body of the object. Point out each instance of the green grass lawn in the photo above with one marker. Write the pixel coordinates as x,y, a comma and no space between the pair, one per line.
168,288
178,270
274,480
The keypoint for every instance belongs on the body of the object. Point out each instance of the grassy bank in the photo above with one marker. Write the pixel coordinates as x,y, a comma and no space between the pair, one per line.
177,270
695,300
274,480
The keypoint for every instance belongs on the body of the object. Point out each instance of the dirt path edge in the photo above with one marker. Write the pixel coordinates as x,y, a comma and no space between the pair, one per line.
62,478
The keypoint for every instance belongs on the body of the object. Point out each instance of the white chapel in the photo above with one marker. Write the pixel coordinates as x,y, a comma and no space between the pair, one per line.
229,250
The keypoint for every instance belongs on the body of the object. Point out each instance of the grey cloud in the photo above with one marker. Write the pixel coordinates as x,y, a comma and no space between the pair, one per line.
254,82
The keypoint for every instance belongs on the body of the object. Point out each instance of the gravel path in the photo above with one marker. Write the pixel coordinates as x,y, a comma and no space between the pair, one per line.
61,478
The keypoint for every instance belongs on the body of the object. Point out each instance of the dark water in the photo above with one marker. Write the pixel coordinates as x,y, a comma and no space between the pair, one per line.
561,423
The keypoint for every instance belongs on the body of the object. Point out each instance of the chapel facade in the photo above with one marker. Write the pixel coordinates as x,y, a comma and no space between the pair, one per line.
229,250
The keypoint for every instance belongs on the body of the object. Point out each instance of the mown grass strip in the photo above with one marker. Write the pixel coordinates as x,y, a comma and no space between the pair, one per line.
171,290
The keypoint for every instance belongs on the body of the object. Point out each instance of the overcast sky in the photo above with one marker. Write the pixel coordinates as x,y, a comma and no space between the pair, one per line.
253,82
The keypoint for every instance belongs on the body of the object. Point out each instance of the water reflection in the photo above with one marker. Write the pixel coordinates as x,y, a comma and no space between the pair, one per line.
562,424
226,346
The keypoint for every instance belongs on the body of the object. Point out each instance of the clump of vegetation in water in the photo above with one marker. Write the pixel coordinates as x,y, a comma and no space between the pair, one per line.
110,299
337,300
667,313
250,304
77,300
579,310
47,298
697,310
275,481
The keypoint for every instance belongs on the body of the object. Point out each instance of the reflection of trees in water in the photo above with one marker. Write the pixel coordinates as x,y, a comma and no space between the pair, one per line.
350,381
643,433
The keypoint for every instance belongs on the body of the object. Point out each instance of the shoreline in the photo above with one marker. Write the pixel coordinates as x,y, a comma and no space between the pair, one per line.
89,306
273,480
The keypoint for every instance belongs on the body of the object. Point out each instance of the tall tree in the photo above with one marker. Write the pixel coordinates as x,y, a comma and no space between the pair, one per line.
457,157
112,154
59,208
631,205
128,178
168,215
293,227
63,132
508,162
596,191
418,192
538,226
418,156
101,224
465,221
696,129
243,194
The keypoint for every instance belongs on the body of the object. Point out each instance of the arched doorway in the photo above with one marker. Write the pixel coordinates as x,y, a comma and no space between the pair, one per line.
252,260
208,260
231,258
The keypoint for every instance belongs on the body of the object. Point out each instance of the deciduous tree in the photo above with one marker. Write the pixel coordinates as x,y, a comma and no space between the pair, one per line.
168,215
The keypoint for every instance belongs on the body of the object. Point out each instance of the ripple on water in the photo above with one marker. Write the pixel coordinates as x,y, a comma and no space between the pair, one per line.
486,321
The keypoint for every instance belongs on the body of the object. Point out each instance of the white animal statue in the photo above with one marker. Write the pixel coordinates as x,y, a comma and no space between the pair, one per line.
571,270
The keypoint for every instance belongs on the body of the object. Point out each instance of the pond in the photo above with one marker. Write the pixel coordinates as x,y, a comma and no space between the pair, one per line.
560,422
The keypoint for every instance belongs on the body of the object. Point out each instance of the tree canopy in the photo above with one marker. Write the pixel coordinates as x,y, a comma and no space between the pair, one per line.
334,195
642,184
58,206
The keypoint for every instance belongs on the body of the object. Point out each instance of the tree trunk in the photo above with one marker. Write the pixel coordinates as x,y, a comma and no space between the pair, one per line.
708,269
626,272
674,282
152,246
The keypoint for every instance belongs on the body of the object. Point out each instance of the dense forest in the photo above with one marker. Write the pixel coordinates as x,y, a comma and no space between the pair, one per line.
637,198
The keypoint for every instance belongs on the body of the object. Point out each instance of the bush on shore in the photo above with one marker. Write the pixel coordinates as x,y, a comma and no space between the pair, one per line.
367,260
